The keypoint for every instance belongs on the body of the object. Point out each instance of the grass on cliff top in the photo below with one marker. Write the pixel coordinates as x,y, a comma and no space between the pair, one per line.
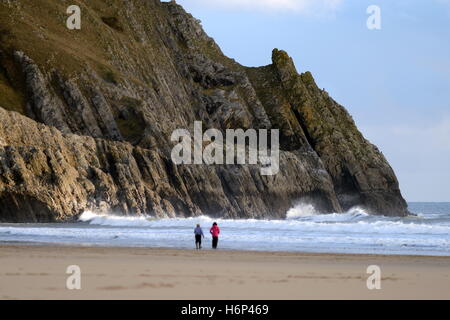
38,28
108,43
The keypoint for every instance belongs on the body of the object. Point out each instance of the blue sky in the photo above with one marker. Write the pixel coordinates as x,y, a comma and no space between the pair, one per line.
395,81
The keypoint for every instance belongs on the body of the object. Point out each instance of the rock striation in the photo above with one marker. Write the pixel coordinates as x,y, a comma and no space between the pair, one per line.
86,118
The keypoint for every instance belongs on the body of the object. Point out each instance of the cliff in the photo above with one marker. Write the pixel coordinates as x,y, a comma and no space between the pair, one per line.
86,118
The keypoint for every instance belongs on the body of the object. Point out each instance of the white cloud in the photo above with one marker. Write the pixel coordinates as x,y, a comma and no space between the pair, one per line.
298,6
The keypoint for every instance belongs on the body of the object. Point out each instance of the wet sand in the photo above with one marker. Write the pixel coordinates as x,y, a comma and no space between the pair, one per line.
39,272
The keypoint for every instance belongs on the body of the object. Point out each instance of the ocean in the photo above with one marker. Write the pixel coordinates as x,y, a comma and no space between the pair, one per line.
304,230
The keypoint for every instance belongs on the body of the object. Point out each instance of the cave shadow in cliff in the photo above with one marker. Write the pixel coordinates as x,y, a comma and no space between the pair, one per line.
15,207
348,193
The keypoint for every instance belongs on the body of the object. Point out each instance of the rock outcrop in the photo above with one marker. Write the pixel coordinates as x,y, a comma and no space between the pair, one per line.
86,118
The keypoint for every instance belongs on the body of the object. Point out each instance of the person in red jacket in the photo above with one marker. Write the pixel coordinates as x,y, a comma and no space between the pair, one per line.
215,231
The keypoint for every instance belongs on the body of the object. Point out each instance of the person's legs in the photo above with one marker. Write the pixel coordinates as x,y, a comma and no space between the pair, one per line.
214,242
198,241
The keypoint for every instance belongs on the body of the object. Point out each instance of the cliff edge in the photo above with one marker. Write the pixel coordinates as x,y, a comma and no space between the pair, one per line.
86,118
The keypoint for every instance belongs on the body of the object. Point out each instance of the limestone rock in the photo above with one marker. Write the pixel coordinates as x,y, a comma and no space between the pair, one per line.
86,119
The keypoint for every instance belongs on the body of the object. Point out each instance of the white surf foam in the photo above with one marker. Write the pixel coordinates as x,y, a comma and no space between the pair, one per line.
354,221
305,230
301,210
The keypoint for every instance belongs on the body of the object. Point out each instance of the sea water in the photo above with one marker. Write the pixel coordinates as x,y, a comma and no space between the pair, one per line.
304,230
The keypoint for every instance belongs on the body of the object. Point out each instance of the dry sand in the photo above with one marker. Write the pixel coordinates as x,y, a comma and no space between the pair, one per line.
29,272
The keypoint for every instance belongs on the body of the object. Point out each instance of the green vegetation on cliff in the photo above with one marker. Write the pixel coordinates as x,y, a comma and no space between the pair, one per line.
113,92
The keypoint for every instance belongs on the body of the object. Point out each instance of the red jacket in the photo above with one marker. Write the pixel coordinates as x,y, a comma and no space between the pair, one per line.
215,231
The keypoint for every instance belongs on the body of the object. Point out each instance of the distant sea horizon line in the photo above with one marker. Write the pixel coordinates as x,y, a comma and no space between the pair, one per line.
427,201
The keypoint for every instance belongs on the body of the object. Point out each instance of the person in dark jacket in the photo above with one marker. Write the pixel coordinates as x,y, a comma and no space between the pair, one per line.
198,237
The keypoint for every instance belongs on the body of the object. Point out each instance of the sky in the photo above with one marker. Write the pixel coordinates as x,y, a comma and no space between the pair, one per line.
394,81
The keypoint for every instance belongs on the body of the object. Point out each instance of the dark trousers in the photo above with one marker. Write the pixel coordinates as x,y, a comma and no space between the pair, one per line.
198,241
215,241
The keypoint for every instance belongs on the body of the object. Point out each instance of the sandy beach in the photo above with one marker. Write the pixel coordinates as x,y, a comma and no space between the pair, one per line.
32,272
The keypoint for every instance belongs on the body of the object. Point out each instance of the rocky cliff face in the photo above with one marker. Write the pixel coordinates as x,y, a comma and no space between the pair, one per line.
86,118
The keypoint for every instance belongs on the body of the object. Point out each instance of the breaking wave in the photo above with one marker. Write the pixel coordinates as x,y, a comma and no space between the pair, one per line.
304,229
301,210
355,221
